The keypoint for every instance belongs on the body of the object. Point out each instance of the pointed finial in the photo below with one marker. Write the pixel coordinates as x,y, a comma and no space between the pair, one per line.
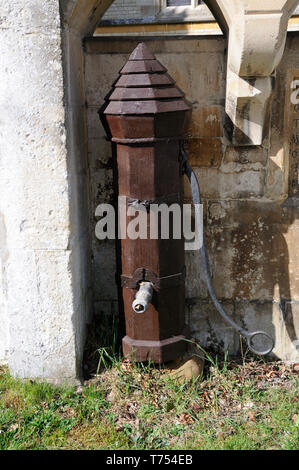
142,52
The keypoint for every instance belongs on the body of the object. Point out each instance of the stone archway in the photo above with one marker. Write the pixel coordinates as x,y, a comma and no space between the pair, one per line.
80,19
45,284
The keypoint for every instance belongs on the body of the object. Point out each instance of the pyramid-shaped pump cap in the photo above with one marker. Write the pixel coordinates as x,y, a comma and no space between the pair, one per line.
142,52
144,87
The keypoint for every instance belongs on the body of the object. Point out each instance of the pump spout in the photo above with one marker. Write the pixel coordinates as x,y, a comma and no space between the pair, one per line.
143,297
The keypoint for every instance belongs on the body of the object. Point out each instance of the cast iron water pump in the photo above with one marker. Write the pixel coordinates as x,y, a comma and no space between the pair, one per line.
145,114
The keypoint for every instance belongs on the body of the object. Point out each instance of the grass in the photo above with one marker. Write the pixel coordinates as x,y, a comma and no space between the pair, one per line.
253,405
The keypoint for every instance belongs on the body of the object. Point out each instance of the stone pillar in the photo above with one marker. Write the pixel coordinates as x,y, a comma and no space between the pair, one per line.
44,278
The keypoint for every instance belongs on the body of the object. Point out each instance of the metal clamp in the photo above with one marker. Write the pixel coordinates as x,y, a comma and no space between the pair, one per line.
146,275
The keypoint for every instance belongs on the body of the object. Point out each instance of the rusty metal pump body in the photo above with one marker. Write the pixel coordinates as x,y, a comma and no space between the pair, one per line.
145,114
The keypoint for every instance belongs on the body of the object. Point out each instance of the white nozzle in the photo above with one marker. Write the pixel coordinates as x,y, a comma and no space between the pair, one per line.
143,297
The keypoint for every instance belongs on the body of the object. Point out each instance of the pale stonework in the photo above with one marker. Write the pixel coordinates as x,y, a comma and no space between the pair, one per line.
45,198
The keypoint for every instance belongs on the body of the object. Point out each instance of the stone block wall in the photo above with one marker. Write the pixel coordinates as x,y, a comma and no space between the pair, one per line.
43,237
131,9
250,208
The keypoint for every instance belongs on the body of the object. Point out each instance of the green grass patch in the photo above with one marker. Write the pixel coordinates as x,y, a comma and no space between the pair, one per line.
253,405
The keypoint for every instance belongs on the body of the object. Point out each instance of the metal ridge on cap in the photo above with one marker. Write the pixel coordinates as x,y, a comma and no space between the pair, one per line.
152,93
146,107
145,87
144,80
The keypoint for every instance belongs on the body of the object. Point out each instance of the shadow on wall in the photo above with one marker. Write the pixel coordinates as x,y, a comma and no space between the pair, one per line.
282,270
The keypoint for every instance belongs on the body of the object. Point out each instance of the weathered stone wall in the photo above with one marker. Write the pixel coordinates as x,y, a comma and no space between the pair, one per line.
124,9
155,11
43,280
251,223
